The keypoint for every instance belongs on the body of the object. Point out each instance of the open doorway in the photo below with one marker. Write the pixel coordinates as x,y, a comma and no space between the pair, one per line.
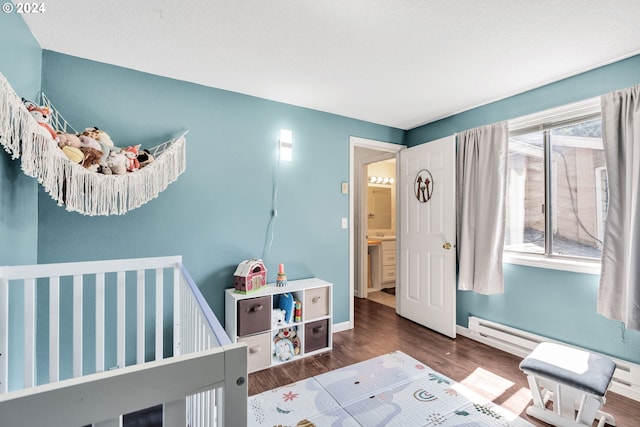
379,205
365,152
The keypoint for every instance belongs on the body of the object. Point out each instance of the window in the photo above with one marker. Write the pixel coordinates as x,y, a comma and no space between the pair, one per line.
557,194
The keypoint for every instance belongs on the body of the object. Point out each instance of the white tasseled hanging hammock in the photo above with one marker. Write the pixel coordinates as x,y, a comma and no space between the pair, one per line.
70,184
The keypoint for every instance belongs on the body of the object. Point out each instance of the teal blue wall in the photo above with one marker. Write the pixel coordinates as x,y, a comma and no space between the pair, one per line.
20,63
216,214
556,304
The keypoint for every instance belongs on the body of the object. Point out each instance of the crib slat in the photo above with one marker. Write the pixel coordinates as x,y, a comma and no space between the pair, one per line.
54,329
185,343
193,328
4,334
120,319
189,337
77,325
29,332
199,330
176,311
100,322
159,314
179,319
140,342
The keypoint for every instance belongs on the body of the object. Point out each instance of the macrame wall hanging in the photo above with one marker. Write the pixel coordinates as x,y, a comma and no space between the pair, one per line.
72,185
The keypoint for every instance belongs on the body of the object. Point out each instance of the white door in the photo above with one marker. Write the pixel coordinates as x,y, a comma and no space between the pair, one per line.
427,291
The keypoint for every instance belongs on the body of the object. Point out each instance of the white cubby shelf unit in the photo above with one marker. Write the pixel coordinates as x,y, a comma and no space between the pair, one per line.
248,318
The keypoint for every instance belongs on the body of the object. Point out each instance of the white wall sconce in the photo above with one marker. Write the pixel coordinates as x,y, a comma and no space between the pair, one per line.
286,145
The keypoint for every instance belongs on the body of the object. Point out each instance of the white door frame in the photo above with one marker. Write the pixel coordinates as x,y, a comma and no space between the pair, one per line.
355,182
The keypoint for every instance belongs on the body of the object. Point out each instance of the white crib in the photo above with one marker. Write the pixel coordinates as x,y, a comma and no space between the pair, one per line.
84,343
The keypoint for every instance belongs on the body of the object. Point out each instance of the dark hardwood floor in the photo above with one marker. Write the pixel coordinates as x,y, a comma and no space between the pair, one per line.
378,330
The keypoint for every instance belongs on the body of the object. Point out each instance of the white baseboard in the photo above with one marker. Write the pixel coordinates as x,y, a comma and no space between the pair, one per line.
626,378
339,327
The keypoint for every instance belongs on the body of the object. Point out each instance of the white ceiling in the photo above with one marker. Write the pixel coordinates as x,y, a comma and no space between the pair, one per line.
399,63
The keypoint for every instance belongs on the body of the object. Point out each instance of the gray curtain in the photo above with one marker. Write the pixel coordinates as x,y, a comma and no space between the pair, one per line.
481,190
619,291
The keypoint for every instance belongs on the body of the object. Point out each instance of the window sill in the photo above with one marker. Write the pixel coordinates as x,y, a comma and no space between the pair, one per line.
564,264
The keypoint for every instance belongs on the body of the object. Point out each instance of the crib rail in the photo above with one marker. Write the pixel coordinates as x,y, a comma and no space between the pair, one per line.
129,320
204,333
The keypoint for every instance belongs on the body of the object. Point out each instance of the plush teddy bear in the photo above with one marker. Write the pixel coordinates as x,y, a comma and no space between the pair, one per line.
42,116
277,317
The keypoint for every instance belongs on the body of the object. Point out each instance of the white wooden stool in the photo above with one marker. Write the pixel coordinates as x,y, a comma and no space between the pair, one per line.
574,380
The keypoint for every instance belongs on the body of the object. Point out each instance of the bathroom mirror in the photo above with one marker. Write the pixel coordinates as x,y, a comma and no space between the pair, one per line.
379,208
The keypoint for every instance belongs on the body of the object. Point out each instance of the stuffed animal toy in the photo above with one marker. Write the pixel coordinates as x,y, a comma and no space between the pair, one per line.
277,317
105,170
101,138
289,334
284,350
85,141
145,158
117,162
132,155
106,149
91,158
287,303
68,139
74,154
42,116
98,135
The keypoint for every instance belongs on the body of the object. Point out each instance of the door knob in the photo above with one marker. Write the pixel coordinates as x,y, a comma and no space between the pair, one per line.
446,246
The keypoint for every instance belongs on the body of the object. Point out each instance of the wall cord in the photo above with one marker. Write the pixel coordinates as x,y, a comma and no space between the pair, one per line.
268,243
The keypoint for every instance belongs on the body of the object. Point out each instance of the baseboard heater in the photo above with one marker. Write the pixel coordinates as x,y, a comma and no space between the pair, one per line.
626,378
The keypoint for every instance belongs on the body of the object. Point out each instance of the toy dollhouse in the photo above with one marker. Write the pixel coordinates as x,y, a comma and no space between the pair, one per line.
250,275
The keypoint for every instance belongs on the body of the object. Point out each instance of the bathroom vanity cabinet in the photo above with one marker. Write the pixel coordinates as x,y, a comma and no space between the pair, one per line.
382,263
388,265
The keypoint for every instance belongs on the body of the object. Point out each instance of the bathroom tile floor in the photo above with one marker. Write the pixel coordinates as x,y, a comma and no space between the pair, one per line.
382,298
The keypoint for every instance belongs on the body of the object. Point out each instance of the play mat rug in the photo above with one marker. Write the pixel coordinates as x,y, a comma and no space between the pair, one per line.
390,390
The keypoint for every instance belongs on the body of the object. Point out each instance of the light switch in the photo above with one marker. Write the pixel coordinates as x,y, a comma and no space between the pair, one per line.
345,188
345,223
